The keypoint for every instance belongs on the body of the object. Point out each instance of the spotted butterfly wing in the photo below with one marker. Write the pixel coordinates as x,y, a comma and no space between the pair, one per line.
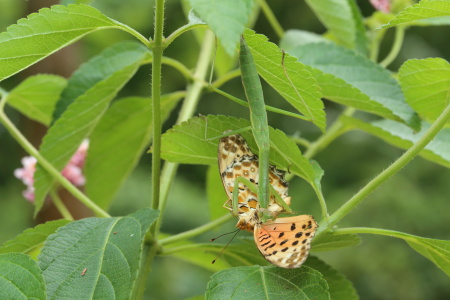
237,160
285,242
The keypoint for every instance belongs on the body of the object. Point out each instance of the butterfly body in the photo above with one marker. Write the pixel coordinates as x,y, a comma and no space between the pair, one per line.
285,242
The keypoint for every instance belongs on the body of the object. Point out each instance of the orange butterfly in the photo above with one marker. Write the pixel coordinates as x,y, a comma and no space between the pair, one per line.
285,242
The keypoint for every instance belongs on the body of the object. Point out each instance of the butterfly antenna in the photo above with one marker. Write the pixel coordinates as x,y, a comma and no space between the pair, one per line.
221,251
213,239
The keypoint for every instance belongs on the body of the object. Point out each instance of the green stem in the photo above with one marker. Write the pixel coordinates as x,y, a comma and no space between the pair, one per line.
60,205
301,141
130,30
17,135
150,250
271,18
157,49
267,107
180,31
378,231
331,134
398,41
226,77
196,231
322,202
179,66
392,169
186,112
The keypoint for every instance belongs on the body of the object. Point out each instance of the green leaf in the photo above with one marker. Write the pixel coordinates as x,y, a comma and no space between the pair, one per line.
438,251
340,288
36,96
192,143
216,193
426,85
342,19
292,81
45,32
116,65
330,242
96,70
267,283
401,136
31,240
348,78
127,122
225,18
423,10
295,38
20,277
95,258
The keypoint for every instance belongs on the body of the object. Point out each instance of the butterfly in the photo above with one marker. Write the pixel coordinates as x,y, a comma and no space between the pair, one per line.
285,242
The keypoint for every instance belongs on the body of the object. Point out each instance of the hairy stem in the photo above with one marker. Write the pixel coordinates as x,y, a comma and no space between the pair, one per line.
187,111
378,231
157,49
391,170
196,231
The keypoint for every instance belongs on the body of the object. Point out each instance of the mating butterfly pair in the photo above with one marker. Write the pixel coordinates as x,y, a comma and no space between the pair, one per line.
285,242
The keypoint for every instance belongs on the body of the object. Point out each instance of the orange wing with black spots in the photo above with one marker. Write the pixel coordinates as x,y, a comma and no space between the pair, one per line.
285,242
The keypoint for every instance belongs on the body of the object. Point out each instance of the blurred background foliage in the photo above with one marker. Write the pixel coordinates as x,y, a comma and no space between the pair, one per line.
415,201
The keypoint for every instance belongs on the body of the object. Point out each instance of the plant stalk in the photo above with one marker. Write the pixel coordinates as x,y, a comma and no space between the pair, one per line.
157,49
391,170
187,111
196,231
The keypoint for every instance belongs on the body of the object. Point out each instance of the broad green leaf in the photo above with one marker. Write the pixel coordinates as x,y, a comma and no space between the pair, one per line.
340,288
426,85
43,33
31,240
92,73
116,65
192,143
343,20
330,242
438,251
216,193
401,136
423,10
351,79
292,81
295,38
127,122
95,258
226,18
436,21
36,96
267,283
20,277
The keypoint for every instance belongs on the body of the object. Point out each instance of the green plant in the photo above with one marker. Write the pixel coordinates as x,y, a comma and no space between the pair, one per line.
106,257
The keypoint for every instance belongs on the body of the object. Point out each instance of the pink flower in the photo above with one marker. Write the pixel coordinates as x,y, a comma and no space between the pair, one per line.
381,5
72,171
